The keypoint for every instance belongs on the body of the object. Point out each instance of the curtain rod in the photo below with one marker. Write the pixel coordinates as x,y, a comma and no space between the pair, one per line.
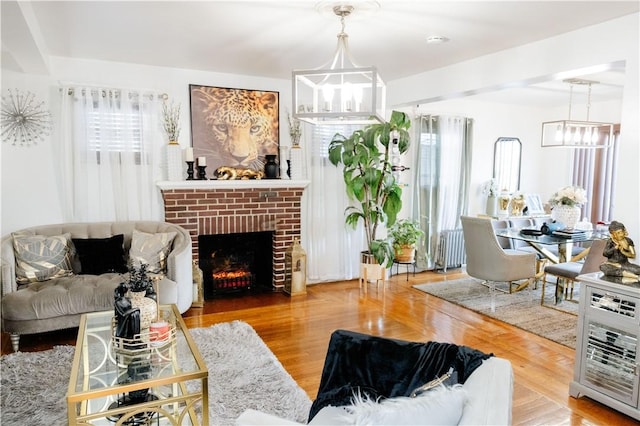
96,86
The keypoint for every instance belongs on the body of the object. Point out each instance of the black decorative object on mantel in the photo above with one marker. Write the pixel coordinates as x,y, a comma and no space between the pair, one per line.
202,173
271,167
189,170
289,168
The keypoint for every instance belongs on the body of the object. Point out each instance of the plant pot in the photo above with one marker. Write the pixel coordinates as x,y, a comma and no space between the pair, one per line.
405,253
370,269
367,258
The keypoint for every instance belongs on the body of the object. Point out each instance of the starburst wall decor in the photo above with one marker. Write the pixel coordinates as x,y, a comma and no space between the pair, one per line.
25,121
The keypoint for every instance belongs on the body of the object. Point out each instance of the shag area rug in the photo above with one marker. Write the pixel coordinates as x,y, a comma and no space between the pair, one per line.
521,309
243,373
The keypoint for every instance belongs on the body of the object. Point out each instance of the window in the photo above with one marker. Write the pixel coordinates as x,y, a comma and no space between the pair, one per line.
115,129
595,171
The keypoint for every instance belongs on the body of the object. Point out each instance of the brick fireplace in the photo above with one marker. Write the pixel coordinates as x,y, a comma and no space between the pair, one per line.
233,206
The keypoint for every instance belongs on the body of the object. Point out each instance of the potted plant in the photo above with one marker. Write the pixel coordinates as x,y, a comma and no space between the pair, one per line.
369,178
405,235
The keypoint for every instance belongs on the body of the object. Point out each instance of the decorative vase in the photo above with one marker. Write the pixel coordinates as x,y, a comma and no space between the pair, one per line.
174,161
284,161
148,308
567,215
297,163
271,167
492,206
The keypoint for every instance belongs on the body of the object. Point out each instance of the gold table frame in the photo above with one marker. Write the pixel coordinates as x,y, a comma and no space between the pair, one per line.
94,385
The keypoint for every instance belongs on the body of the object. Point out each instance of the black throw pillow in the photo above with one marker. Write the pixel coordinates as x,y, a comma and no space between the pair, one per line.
101,255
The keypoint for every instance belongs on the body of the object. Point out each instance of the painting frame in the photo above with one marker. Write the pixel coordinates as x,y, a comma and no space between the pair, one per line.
233,127
534,204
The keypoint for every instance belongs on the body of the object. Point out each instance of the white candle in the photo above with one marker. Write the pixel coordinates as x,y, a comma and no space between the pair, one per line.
188,154
202,161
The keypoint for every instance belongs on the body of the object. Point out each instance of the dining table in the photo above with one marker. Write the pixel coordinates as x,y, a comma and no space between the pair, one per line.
542,243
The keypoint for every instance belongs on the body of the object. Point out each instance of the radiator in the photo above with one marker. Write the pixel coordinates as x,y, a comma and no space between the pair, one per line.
450,253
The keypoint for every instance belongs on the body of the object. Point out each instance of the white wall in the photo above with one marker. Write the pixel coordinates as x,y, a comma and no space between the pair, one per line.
29,191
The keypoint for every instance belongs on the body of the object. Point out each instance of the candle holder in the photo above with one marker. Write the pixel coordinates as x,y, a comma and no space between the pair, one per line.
202,174
189,170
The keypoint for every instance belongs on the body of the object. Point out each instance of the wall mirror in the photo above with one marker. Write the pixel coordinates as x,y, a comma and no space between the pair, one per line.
507,153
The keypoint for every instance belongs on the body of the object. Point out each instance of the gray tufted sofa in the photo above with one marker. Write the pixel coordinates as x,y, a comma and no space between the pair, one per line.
58,303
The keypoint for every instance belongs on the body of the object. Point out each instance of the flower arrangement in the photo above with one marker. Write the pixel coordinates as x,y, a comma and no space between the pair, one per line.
490,188
138,279
569,196
295,131
171,121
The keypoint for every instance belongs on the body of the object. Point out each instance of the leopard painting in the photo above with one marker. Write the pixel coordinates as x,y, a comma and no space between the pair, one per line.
239,127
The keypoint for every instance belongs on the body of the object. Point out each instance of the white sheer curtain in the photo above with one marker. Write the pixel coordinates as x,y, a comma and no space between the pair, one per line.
443,167
110,154
333,249
595,171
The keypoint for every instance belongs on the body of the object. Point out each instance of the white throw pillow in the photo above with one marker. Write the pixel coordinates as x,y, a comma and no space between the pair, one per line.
439,406
151,249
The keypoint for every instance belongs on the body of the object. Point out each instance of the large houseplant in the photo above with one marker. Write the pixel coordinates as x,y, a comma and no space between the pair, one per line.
405,234
369,179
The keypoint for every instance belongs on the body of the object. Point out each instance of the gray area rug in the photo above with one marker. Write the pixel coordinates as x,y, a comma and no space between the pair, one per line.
243,373
522,309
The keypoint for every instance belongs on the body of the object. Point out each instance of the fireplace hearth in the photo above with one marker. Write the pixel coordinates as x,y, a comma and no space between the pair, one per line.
236,262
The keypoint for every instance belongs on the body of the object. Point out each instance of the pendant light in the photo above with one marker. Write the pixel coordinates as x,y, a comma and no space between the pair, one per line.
577,134
339,92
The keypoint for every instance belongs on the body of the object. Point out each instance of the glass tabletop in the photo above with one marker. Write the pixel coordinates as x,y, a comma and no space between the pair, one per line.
104,366
550,239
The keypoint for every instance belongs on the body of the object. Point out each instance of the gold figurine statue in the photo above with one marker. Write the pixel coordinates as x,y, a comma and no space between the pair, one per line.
618,250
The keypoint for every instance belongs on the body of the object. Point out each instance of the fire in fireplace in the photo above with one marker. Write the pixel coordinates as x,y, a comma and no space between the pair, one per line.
236,262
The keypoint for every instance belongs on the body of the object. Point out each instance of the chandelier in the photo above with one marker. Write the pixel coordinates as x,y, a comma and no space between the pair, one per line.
339,92
577,134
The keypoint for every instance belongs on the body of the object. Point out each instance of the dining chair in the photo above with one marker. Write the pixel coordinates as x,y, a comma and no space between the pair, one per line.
488,261
569,271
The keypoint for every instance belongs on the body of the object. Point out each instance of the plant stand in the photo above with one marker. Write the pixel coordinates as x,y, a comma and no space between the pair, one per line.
371,271
397,264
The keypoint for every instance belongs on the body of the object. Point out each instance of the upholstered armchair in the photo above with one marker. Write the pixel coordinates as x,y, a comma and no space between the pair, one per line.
488,261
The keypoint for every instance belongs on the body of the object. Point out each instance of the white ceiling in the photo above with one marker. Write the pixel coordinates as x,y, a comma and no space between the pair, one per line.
270,38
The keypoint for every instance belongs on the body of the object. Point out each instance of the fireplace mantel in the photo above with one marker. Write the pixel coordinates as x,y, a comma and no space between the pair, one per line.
232,184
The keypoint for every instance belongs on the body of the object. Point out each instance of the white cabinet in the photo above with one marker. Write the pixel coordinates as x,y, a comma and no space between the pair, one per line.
607,367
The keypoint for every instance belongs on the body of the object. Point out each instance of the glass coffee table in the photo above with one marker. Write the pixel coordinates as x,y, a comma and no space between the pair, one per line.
163,382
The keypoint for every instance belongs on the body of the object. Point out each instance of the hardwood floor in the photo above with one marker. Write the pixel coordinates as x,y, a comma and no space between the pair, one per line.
297,330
